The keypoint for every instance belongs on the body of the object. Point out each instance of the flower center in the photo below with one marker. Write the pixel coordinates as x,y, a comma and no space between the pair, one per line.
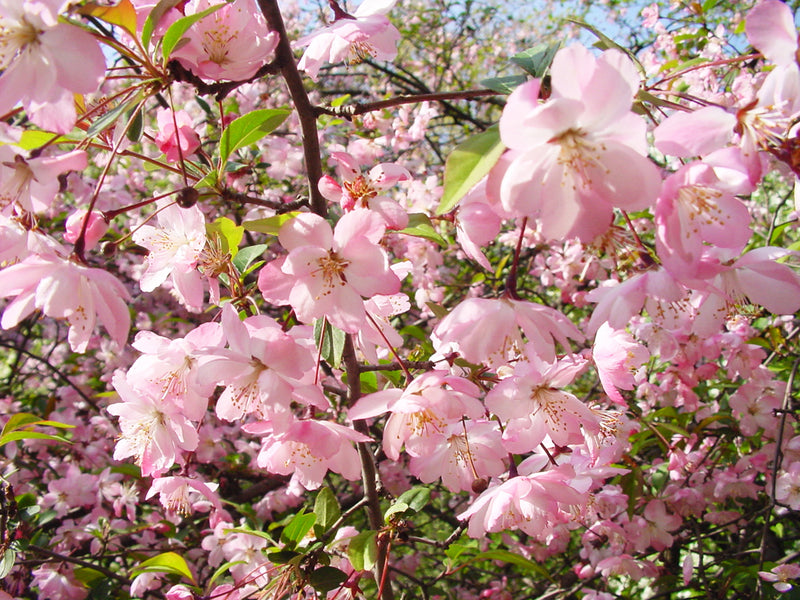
332,268
14,37
360,190
216,43
578,156
361,51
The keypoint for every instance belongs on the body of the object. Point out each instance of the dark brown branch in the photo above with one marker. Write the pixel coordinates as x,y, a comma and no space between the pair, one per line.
369,473
351,110
220,89
284,58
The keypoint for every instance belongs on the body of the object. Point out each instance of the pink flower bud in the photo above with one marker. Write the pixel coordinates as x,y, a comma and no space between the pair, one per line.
95,229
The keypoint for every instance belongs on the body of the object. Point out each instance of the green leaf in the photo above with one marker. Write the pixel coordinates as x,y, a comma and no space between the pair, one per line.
417,498
111,117
467,165
281,557
248,129
153,19
175,32
168,562
134,132
222,570
31,435
297,529
327,509
270,225
511,558
504,85
327,579
230,233
535,61
411,501
363,550
32,139
419,225
87,575
246,256
7,563
369,382
332,341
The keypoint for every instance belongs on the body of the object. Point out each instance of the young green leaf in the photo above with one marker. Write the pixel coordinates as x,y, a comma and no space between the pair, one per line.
248,129
168,562
363,550
327,509
270,225
419,225
297,529
327,579
467,165
535,61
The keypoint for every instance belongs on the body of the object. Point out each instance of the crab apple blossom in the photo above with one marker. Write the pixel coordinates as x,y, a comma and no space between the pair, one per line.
498,338
617,356
582,152
307,449
262,369
154,431
65,289
45,61
96,228
533,503
467,451
421,413
175,248
358,191
367,33
176,136
533,407
31,184
327,272
231,43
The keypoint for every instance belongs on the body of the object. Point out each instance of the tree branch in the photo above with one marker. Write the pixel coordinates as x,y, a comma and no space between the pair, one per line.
284,58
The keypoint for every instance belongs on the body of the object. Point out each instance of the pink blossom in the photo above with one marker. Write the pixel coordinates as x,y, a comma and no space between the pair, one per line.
781,575
44,62
467,451
358,191
169,139
31,184
170,367
352,38
307,449
533,407
481,330
770,28
617,356
154,431
175,247
650,16
787,486
179,494
580,153
694,210
231,43
421,412
64,289
327,272
57,583
531,503
261,369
